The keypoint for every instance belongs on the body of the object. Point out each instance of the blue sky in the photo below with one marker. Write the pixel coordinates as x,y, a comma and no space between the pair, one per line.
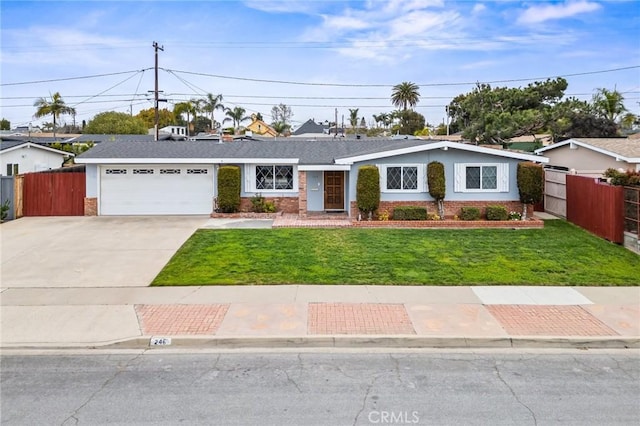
347,54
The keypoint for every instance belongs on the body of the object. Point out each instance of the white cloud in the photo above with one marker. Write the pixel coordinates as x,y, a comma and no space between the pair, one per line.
541,13
478,8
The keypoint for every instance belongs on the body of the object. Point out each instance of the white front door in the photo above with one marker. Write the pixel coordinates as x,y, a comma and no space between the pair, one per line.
156,189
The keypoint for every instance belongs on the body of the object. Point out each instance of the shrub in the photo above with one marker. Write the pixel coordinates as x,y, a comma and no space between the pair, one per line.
628,178
409,213
469,213
229,189
497,213
530,182
437,184
260,205
515,216
433,216
368,189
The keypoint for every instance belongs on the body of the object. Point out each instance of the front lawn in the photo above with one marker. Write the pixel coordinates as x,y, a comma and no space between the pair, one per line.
559,254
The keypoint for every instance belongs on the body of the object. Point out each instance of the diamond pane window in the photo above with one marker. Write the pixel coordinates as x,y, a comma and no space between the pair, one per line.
473,177
264,177
394,177
410,178
489,177
284,177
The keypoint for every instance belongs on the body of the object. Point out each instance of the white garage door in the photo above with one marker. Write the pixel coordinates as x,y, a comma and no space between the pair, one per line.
156,190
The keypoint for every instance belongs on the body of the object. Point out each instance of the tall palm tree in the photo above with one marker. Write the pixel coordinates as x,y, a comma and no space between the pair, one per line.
237,115
189,108
280,127
54,107
405,94
609,103
210,104
353,117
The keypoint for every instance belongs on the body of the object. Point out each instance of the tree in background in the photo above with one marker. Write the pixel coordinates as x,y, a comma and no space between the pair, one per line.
210,104
405,94
5,124
280,128
608,104
165,117
115,123
237,115
573,118
629,121
409,122
281,113
190,108
54,107
353,118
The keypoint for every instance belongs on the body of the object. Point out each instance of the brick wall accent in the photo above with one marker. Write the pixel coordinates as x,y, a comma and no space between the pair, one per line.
302,194
451,208
90,206
283,204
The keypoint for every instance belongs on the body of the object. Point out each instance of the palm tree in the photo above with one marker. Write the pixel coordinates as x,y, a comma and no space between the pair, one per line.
353,117
210,104
609,103
55,107
280,127
188,107
237,115
405,94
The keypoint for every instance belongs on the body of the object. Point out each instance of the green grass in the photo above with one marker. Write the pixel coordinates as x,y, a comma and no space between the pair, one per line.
559,254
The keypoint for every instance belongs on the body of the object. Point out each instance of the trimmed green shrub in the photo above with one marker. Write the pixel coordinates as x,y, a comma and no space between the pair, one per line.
260,205
409,213
437,184
229,189
368,189
469,213
497,213
530,182
628,178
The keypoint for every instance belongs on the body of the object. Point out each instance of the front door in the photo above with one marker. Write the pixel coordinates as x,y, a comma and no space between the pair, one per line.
334,190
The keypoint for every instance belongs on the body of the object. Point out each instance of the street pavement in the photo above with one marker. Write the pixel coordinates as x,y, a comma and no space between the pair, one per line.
49,299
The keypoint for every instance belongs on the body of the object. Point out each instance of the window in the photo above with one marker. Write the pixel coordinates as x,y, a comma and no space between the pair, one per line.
274,178
197,171
116,171
13,169
482,178
169,171
402,178
142,171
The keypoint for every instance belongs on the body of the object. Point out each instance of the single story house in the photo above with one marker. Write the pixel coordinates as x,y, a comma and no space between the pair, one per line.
24,157
299,176
592,156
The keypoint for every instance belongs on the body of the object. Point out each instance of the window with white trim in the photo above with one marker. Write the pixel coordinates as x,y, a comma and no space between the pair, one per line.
270,178
402,177
473,177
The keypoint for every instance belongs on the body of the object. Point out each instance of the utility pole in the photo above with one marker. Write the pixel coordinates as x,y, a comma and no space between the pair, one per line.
157,114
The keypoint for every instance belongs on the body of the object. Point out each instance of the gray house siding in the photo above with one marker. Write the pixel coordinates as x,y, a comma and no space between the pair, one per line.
315,191
91,171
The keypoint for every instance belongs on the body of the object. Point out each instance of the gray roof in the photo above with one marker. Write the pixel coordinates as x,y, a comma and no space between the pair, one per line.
308,152
624,147
310,126
10,144
110,138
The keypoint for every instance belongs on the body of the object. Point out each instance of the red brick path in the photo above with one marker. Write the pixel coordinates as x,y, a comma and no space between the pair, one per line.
528,320
180,319
358,318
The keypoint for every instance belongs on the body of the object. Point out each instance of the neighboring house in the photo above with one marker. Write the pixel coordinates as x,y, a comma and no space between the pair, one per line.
172,130
311,128
260,128
25,157
147,178
592,156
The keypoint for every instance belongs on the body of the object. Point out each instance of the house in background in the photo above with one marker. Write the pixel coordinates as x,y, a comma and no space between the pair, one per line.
18,157
299,176
592,156
260,128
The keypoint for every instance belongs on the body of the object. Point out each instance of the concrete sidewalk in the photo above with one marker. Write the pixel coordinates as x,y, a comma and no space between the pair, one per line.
314,316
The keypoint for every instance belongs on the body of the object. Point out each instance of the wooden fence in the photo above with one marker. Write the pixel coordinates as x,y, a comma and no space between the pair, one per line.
555,192
596,207
53,194
632,210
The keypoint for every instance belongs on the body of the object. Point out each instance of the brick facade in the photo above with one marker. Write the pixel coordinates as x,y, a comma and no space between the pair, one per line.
302,194
283,204
90,206
451,208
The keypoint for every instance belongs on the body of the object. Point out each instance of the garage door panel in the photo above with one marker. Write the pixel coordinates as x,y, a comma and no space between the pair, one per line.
155,193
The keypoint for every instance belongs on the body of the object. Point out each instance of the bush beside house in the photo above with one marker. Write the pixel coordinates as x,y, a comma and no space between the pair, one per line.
368,189
530,178
229,185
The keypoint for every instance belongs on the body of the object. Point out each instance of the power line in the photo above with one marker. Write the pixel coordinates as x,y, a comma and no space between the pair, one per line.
72,78
300,83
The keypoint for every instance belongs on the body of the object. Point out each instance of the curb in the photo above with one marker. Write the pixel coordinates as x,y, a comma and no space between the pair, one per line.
351,341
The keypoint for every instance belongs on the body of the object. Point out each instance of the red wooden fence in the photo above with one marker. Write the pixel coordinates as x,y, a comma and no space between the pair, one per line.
596,207
53,194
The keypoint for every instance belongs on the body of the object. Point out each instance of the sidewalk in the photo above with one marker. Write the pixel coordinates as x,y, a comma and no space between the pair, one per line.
320,316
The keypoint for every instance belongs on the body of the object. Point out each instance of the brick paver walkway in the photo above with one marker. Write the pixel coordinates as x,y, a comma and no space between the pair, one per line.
180,319
532,320
358,318
294,221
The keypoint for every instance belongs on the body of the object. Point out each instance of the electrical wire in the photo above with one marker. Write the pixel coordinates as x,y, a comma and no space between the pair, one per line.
72,78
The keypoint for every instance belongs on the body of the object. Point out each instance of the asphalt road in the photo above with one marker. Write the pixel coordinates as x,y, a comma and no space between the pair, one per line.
435,388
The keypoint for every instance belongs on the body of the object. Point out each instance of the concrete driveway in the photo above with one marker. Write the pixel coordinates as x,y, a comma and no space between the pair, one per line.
90,251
